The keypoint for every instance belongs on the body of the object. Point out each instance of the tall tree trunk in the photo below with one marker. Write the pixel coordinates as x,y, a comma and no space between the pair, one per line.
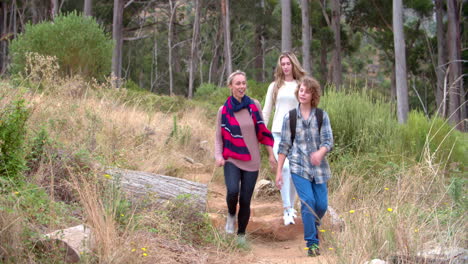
323,63
194,49
34,12
286,39
54,8
4,34
88,8
215,58
258,61
336,15
117,37
441,59
455,78
306,37
173,9
259,47
400,62
154,65
227,36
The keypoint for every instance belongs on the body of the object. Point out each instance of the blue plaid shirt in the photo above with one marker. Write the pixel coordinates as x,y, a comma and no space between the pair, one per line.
307,141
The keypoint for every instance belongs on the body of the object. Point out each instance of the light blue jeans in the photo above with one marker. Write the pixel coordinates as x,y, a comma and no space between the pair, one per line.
314,203
288,192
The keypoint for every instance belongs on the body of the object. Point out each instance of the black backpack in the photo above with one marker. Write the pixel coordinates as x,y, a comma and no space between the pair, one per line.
293,120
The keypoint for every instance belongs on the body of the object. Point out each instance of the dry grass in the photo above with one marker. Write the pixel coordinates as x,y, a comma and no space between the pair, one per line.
388,218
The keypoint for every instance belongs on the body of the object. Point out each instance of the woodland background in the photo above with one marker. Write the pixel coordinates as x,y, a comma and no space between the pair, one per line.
88,85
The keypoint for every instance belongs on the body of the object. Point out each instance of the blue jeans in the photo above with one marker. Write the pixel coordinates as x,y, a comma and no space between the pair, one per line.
240,185
314,203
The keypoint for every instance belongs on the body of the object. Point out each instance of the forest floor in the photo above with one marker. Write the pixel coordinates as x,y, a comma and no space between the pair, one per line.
265,247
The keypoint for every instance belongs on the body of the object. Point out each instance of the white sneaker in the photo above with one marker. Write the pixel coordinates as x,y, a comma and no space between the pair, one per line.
288,219
292,212
230,223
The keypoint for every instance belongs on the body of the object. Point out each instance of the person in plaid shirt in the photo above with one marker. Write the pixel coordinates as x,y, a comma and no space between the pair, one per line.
310,170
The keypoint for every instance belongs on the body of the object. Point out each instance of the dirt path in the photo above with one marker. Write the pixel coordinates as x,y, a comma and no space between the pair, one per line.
270,240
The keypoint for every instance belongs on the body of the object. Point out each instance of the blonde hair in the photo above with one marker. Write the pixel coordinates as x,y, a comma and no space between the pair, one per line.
312,86
297,71
232,75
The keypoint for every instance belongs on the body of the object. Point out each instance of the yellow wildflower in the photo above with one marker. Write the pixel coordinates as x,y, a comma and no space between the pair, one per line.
107,176
306,248
133,250
416,230
322,230
331,248
386,188
16,193
144,249
389,209
144,254
351,211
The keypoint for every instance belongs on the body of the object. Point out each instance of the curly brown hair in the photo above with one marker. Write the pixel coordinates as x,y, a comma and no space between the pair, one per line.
312,86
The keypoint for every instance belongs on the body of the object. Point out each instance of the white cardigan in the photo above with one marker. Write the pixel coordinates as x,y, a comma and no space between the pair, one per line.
285,101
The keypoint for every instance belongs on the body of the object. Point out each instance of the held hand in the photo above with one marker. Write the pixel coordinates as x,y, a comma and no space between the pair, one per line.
273,163
220,162
316,157
279,180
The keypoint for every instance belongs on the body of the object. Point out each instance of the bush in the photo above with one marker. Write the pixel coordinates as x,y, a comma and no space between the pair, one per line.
12,136
359,123
80,45
432,138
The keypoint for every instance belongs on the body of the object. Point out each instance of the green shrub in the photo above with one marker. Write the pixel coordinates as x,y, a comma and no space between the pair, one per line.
359,122
12,136
442,141
79,43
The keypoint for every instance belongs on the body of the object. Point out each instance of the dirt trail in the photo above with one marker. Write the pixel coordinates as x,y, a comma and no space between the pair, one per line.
265,222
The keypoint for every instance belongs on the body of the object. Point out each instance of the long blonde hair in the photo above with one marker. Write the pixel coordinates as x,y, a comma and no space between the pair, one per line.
297,71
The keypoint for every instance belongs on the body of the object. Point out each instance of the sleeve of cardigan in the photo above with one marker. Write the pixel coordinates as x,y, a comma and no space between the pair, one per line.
268,104
218,138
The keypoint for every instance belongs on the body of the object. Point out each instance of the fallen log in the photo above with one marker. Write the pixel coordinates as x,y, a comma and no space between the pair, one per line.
143,185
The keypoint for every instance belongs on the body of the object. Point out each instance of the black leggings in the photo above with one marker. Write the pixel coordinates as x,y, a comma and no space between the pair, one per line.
246,180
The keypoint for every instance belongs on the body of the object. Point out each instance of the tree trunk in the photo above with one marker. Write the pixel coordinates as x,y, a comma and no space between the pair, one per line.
194,49
4,34
258,52
140,185
286,39
227,36
323,63
117,37
455,78
34,12
88,8
441,60
154,65
170,35
54,8
306,37
336,14
215,58
400,62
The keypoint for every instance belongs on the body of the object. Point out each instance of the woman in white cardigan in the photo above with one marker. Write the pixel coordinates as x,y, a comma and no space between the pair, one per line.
280,94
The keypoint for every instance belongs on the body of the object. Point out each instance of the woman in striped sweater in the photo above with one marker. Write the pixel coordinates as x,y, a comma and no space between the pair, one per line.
239,132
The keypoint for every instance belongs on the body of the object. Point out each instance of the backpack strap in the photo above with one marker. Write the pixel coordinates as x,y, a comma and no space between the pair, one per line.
292,124
319,117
